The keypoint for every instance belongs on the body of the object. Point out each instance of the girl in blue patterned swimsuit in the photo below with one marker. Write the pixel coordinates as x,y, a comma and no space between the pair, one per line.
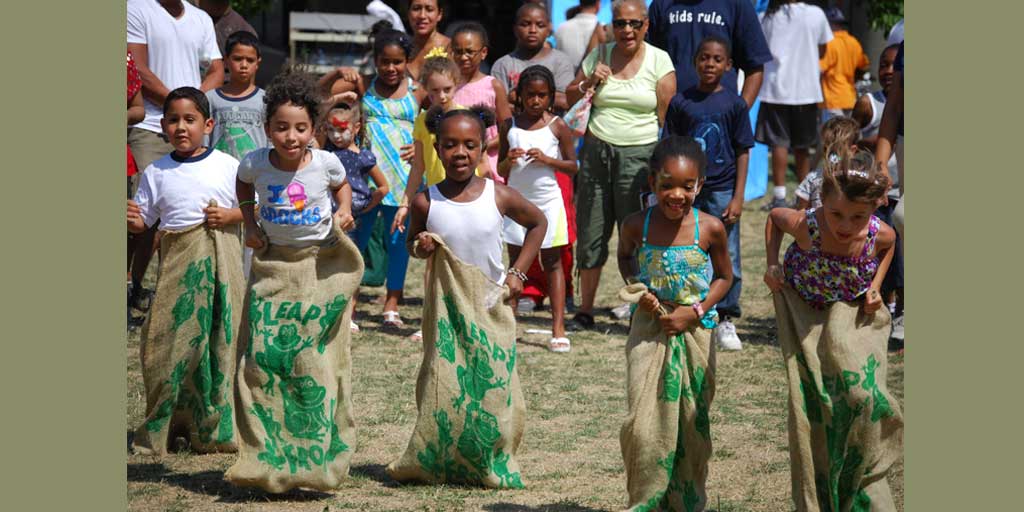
669,246
666,438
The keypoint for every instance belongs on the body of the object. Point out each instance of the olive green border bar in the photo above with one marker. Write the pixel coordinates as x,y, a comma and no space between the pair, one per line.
964,354
64,251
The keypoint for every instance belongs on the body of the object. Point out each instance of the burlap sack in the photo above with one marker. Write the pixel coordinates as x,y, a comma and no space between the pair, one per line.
845,428
666,438
189,340
293,396
471,410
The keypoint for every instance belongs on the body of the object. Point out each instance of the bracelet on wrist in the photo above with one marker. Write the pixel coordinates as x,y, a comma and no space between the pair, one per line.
243,203
699,309
512,271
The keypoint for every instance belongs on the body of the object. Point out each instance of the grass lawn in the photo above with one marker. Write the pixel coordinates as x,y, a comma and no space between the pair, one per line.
576,403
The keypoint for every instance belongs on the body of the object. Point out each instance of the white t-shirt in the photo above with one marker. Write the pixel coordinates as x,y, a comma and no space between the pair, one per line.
573,35
294,207
175,48
793,33
176,190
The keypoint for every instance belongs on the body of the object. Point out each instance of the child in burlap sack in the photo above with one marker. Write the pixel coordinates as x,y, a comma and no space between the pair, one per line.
471,412
293,398
666,254
845,428
188,356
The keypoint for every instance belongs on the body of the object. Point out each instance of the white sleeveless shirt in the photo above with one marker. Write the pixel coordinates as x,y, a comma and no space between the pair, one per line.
877,107
471,230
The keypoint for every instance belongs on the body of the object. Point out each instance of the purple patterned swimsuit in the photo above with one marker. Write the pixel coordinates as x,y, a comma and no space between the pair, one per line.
822,279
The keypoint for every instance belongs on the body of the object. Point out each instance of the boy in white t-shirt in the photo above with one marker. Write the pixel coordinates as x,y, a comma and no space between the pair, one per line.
797,34
187,358
177,189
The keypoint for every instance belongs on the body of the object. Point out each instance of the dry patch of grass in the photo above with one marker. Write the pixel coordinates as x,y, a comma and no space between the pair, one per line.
570,454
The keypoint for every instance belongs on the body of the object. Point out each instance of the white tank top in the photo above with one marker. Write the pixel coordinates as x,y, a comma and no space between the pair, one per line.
877,107
471,230
534,180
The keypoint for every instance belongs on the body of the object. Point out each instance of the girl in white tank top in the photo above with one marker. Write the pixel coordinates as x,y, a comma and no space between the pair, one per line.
534,145
466,210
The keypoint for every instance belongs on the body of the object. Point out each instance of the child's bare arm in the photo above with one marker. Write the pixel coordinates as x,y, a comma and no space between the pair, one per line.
411,187
502,110
419,209
513,205
732,213
884,245
341,80
246,194
218,217
568,163
629,241
506,156
719,252
343,196
135,222
380,192
136,109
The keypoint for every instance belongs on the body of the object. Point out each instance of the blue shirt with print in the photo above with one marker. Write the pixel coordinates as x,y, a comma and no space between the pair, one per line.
720,122
678,27
357,166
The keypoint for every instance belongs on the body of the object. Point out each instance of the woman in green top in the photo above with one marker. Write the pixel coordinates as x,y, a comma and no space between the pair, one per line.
634,82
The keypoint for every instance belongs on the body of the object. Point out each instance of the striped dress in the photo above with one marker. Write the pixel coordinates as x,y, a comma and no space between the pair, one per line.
389,124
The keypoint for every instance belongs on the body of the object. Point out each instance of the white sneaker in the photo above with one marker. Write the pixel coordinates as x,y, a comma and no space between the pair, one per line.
525,305
621,312
897,328
727,338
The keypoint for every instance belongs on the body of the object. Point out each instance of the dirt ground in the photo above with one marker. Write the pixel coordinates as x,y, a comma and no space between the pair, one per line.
570,455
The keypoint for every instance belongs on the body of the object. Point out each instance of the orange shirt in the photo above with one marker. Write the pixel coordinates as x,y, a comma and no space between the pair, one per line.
843,56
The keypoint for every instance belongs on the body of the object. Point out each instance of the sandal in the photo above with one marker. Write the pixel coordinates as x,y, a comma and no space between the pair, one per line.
416,336
353,326
583,320
141,299
560,345
392,319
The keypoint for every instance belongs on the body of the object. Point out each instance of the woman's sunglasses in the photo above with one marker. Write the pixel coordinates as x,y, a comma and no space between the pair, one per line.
621,24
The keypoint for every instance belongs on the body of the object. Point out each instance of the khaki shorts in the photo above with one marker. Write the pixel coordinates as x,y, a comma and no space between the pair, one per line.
610,182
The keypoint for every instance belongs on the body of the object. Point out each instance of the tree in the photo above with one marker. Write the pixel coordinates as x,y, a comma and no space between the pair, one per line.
883,14
253,7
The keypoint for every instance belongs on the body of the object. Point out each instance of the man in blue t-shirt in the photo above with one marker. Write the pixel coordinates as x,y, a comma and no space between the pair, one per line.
719,120
678,27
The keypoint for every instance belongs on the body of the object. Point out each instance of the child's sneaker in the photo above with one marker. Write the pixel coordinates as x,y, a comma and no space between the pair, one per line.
726,336
621,312
525,305
897,328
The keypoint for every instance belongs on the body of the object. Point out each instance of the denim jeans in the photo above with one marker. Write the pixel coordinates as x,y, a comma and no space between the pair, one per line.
715,203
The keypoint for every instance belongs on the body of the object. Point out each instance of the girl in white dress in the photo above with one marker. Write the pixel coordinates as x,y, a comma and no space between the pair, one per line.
534,145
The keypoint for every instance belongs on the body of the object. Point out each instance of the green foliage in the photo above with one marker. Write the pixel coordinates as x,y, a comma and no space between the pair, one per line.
254,7
883,14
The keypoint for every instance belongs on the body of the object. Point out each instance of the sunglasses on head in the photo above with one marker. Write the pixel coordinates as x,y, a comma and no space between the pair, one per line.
621,24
